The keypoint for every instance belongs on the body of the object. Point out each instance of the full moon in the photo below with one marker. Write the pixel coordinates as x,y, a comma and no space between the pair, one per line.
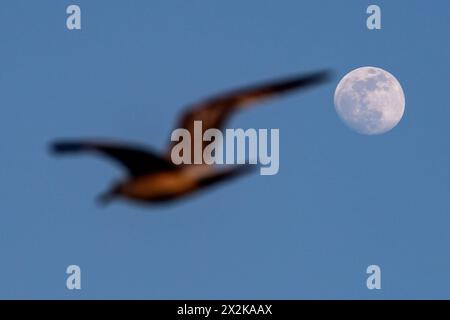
369,100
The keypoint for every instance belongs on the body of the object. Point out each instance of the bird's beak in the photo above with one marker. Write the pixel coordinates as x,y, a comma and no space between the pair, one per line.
105,198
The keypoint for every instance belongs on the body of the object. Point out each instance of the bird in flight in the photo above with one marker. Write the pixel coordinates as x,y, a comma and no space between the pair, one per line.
153,177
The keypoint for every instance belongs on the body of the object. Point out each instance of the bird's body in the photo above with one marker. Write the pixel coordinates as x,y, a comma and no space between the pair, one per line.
168,185
153,177
160,186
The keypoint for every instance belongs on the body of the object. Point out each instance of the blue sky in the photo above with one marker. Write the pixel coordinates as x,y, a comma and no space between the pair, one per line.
340,202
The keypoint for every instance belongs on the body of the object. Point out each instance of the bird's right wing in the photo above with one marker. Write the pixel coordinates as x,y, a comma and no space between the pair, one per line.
135,159
213,112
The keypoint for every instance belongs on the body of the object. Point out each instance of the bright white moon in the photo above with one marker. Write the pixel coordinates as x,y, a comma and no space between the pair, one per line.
369,100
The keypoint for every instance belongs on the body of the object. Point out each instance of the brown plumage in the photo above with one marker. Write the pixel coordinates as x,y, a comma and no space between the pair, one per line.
153,177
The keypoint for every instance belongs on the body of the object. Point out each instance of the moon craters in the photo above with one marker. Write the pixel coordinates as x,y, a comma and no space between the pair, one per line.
369,100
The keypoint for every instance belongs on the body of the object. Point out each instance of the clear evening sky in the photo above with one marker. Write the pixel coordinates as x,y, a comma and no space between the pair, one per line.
340,202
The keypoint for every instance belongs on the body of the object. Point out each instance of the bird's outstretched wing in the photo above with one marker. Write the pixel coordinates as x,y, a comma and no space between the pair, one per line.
215,111
136,160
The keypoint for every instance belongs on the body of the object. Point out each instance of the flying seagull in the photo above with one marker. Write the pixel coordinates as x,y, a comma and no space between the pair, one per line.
153,177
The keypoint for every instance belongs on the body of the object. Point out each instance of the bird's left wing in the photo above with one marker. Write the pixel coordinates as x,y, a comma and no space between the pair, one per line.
136,160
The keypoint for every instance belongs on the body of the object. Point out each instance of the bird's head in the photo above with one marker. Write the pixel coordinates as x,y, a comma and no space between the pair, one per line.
115,191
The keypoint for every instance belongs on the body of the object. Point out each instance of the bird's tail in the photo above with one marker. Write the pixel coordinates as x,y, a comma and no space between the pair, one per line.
225,175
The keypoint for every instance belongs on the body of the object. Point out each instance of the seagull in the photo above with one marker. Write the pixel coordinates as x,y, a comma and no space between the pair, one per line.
152,177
